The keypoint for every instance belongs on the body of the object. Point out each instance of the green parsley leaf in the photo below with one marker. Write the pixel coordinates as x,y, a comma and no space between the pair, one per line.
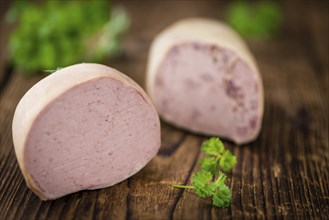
227,161
219,157
213,146
210,164
202,182
257,20
222,196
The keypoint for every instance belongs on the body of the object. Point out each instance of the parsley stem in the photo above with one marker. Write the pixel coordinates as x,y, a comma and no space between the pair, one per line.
52,71
182,187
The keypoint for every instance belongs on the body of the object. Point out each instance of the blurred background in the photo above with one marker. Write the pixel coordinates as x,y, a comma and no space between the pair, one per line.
61,33
287,38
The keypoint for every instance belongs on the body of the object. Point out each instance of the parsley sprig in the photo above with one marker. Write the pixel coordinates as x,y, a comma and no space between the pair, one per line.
218,159
261,19
61,33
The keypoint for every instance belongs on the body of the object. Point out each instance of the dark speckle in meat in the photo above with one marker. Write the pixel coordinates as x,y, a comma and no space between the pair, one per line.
231,89
253,122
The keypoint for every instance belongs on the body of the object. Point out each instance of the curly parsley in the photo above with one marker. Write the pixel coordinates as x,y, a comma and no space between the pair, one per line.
261,19
61,33
218,159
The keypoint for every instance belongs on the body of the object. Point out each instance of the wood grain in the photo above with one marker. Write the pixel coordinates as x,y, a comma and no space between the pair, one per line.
283,174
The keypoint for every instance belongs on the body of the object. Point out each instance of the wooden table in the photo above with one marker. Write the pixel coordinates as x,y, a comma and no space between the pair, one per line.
283,174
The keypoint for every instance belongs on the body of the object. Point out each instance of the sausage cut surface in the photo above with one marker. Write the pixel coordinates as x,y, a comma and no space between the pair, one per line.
93,135
204,84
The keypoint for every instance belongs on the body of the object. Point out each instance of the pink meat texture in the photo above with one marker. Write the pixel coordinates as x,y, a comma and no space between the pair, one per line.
86,126
201,77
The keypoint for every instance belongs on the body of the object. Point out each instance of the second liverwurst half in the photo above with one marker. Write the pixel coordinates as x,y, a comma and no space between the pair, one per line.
202,77
86,126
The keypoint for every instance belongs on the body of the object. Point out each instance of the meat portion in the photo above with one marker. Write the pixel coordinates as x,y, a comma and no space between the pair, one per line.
206,82
96,132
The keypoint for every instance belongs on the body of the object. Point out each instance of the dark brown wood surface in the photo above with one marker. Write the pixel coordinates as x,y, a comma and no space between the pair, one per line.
283,174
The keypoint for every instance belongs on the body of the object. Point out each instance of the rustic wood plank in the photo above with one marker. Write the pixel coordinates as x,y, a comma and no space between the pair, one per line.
283,174
318,34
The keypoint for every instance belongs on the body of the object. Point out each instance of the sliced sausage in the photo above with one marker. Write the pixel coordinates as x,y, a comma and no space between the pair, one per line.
202,77
86,126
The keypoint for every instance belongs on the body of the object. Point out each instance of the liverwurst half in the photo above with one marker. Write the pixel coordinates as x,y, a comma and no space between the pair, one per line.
86,126
202,77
